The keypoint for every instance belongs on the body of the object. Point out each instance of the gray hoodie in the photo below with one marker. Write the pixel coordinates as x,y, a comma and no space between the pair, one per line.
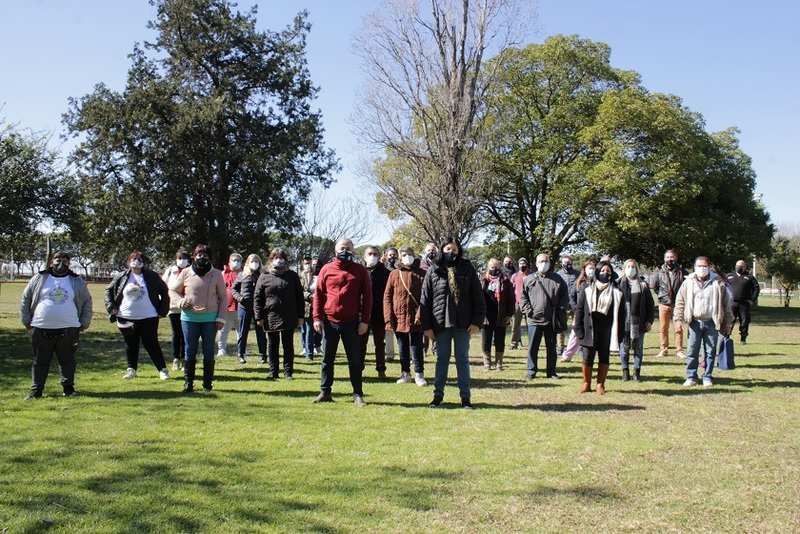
31,294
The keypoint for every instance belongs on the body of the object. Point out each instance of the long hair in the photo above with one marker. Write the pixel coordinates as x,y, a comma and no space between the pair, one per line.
582,278
246,270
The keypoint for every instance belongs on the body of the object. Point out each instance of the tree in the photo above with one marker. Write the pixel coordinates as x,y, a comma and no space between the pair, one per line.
423,104
212,140
783,263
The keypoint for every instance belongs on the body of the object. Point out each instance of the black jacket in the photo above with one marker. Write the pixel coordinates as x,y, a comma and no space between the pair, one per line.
645,313
436,297
279,300
378,276
156,290
744,287
244,289
498,312
660,283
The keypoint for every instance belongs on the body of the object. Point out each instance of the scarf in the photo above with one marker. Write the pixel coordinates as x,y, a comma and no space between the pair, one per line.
602,296
451,281
278,270
495,282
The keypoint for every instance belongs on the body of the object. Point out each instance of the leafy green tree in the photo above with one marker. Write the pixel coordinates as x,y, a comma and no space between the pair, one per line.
784,264
213,139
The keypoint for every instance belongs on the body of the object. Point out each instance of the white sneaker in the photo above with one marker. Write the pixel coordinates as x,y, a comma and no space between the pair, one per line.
220,353
176,364
566,358
163,374
681,354
707,382
690,382
129,374
661,353
420,380
317,352
404,378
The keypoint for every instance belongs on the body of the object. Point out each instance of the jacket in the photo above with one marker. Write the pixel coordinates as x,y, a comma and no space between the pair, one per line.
644,314
744,287
156,290
660,283
400,305
684,303
230,276
32,292
168,277
244,289
498,312
278,300
343,293
307,281
207,293
584,323
378,277
436,298
569,278
543,297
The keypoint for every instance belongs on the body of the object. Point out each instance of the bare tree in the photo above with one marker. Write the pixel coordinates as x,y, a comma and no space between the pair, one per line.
423,103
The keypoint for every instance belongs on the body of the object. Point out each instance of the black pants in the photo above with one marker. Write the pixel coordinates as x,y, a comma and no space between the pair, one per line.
601,332
178,344
535,334
741,311
496,333
274,339
63,342
378,331
144,331
348,333
409,345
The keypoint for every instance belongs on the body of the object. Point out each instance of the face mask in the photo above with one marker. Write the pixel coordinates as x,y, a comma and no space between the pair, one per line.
670,263
590,272
136,264
494,272
182,263
449,257
567,266
603,278
408,260
391,261
306,267
60,267
344,255
543,267
509,266
236,264
740,270
202,261
431,255
254,266
371,261
702,272
630,272
279,263
523,267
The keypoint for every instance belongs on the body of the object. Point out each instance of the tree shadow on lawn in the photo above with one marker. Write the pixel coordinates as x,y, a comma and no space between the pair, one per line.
543,407
768,365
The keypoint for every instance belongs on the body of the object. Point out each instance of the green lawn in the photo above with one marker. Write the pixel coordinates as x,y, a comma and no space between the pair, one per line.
534,456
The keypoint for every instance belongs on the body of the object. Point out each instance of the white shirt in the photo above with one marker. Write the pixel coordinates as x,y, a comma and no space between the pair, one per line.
136,303
56,307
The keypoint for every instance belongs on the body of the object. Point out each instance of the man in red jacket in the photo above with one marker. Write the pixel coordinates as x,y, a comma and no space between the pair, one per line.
230,273
342,307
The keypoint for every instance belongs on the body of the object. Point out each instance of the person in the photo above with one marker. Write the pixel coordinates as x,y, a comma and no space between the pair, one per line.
182,260
451,310
392,256
342,309
704,306
745,289
585,277
388,339
308,279
243,292
544,299
518,281
429,256
378,276
279,309
569,276
401,309
203,299
599,320
135,299
498,295
230,273
55,307
508,267
666,281
638,307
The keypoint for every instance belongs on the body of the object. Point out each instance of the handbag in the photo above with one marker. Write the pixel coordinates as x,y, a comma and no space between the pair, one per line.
725,356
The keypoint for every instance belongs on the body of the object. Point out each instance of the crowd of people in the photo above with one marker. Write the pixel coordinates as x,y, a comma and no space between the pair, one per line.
432,302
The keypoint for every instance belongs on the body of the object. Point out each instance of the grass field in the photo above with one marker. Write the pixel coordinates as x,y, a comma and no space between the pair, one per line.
534,456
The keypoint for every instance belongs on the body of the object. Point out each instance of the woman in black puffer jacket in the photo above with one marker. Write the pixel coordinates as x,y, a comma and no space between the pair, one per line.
243,291
452,308
279,309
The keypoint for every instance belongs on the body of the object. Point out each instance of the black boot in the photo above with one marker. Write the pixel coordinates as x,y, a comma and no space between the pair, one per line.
188,376
208,376
435,402
626,375
465,403
637,375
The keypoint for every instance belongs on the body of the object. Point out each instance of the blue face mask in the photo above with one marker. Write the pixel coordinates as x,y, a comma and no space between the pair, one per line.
344,255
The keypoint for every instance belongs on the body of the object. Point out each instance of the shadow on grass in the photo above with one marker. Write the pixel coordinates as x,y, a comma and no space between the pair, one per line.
545,407
768,365
688,392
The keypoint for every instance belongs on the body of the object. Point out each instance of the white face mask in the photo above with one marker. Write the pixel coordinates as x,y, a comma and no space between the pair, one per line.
278,262
236,264
630,272
702,272
182,263
136,264
254,266
371,260
543,266
408,260
590,272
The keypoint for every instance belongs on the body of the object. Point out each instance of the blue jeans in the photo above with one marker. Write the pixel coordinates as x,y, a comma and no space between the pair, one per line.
535,334
704,332
311,340
444,343
628,345
192,332
245,321
410,347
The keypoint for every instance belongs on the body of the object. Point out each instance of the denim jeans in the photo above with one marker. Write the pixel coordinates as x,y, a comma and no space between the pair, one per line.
192,332
444,343
348,333
410,347
246,317
628,345
535,334
309,337
705,333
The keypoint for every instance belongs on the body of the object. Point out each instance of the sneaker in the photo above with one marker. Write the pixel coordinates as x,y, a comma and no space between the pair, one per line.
317,351
263,359
744,340
33,395
71,393
420,380
566,358
358,400
532,375
242,360
661,353
206,391
129,374
176,364
435,403
324,396
308,357
163,374
707,382
287,377
690,382
466,404
220,353
514,346
681,354
405,378
554,376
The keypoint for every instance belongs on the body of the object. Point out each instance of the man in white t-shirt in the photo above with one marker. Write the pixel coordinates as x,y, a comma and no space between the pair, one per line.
55,307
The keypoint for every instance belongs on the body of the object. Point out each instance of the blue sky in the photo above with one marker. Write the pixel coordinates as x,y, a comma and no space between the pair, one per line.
736,62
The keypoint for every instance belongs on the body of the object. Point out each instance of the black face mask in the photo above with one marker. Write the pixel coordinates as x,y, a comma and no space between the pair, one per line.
740,270
603,278
344,255
449,257
509,266
391,262
523,268
670,263
201,265
59,268
494,272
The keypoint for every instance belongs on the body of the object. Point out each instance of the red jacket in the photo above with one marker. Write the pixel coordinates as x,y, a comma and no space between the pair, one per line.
230,277
343,293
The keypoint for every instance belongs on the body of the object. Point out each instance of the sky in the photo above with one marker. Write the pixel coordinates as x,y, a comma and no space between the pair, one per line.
735,62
